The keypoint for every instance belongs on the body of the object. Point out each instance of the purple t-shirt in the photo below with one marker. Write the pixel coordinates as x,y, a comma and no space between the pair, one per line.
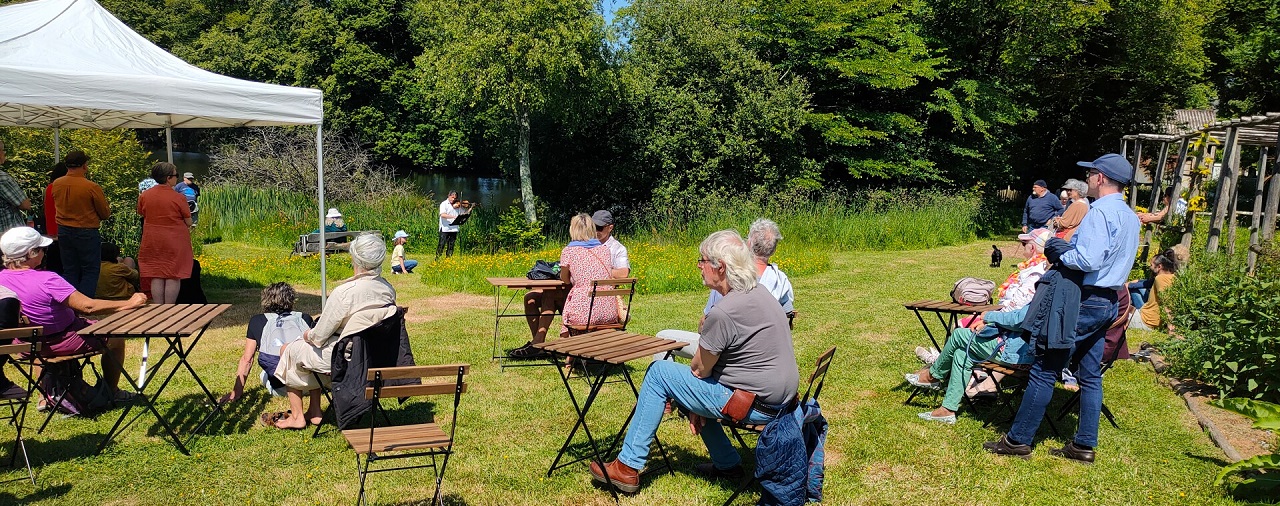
43,295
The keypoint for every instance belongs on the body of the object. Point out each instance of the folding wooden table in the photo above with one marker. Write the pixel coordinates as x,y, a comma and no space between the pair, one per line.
607,349
500,311
952,310
181,326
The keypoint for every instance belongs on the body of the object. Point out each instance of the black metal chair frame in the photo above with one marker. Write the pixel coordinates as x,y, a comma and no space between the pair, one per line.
597,292
18,406
443,454
1107,363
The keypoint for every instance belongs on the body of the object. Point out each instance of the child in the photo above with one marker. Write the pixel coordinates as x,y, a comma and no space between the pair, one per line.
118,277
398,264
278,325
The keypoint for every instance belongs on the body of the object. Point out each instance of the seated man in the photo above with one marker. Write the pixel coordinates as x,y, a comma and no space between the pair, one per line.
745,345
763,240
118,277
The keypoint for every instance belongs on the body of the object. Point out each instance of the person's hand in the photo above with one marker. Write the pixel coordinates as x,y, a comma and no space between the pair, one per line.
1024,229
977,323
138,299
695,423
231,396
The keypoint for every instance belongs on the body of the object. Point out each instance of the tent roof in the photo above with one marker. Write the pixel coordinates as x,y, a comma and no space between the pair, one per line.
71,64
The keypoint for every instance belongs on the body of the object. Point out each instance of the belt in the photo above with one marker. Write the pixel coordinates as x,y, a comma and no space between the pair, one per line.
771,410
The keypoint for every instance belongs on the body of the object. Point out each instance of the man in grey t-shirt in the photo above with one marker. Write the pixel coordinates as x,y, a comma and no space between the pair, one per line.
745,345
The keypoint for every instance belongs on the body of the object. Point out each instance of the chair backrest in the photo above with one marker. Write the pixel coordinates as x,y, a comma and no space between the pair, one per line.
819,375
611,291
379,389
16,348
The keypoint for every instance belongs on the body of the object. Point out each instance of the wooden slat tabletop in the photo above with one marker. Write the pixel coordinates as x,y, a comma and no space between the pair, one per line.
611,346
950,307
526,283
157,320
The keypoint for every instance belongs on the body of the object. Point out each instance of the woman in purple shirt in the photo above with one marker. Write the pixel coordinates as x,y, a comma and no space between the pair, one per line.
51,302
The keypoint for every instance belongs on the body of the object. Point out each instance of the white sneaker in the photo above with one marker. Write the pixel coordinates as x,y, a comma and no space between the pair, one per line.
927,355
914,380
949,419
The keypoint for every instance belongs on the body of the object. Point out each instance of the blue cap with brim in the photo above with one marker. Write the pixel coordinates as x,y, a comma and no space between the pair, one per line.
1114,166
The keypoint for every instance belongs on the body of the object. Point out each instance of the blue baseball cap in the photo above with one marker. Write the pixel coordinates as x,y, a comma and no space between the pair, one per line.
1114,166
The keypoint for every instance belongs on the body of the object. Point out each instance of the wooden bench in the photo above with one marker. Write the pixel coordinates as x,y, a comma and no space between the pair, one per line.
309,244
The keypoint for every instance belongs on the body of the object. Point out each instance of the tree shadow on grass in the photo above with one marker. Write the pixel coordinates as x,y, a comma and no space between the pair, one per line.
38,495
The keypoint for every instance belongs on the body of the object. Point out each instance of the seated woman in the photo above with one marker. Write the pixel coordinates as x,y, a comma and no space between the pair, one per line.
1016,291
333,222
1146,293
49,301
360,302
268,332
993,331
584,260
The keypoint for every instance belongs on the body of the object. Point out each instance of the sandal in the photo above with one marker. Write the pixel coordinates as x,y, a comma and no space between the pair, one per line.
270,418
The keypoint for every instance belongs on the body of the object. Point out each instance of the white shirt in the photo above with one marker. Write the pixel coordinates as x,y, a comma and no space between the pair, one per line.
618,254
447,214
773,280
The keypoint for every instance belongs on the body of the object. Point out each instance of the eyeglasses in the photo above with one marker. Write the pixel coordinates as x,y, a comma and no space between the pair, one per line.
173,175
703,261
1090,173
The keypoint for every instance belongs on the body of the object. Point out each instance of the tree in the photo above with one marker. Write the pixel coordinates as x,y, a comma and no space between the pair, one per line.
517,56
1243,42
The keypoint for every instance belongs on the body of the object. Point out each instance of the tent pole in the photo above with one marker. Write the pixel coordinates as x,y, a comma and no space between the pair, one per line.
324,278
168,141
57,145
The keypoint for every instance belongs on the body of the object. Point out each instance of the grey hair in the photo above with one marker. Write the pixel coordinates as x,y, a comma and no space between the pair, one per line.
1075,184
13,262
763,238
367,252
726,248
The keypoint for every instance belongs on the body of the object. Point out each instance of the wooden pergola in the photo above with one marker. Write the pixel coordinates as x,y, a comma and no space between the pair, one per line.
1234,135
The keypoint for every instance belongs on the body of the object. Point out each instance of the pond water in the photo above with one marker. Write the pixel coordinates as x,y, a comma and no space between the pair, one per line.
494,192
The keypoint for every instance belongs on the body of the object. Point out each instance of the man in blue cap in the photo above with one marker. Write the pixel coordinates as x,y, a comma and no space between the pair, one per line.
1041,207
1102,250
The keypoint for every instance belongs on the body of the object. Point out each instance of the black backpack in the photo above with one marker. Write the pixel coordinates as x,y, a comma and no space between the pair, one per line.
544,270
65,380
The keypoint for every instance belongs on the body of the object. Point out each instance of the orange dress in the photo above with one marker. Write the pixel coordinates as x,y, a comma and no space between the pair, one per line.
165,252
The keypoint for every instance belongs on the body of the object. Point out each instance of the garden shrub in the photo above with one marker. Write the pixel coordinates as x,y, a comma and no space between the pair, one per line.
1229,324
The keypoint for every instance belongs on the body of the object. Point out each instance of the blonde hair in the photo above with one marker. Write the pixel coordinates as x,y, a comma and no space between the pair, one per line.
581,228
726,248
14,262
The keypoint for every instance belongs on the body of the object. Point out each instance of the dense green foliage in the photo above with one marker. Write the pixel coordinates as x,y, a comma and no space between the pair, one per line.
1229,324
1265,416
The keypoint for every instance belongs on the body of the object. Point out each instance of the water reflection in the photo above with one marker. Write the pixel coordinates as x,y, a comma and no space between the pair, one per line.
491,192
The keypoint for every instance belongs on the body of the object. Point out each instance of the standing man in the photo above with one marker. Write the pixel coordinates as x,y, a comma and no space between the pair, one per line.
621,265
1041,207
189,190
448,231
81,207
1102,250
13,201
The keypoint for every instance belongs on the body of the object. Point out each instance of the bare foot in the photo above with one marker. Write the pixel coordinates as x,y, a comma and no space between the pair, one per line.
292,422
925,377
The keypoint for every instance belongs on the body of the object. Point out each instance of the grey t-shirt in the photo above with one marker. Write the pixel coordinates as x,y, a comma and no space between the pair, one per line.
748,332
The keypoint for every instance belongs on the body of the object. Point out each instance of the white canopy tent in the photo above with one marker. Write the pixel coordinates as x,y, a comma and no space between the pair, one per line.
71,64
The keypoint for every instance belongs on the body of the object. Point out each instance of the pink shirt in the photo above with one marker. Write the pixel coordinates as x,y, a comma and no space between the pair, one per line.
43,295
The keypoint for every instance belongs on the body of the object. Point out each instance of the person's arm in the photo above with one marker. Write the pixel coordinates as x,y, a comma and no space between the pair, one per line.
242,371
1026,213
564,274
1090,244
621,264
703,362
1075,213
83,304
100,204
25,205
331,319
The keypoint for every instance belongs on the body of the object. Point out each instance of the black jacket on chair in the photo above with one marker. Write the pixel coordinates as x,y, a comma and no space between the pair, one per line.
383,345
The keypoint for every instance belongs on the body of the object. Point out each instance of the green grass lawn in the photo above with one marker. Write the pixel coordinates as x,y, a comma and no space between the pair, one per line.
512,422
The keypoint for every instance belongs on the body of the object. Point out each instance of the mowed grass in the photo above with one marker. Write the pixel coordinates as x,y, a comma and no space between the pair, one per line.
513,421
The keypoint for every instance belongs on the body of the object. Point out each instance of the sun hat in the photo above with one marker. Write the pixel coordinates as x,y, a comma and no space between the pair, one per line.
1114,166
333,213
400,233
1077,185
602,218
19,241
1040,236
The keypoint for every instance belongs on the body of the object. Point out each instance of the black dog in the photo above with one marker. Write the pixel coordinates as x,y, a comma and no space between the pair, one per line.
996,256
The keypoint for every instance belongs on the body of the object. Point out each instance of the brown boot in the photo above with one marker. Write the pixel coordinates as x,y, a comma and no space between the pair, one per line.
621,476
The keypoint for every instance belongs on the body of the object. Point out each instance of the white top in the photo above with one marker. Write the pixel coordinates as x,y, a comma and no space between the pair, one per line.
447,214
773,280
618,254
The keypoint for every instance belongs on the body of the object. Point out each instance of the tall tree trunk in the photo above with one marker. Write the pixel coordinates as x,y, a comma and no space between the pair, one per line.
526,182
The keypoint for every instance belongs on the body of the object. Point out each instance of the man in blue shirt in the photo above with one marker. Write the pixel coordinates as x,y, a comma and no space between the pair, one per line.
1041,207
1103,248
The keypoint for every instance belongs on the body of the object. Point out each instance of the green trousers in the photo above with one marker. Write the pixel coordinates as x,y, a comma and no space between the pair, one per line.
962,351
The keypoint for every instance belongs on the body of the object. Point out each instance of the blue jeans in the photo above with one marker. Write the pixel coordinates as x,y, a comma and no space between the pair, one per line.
1096,314
705,397
408,264
81,257
1138,291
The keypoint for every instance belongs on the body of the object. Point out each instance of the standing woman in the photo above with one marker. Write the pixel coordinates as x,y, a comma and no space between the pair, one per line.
165,254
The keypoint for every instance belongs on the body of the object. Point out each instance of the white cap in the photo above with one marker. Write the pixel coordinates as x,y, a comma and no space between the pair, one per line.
400,233
19,241
333,213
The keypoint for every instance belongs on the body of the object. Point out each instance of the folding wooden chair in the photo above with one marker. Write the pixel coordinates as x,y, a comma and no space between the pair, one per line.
604,291
17,406
816,380
407,441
